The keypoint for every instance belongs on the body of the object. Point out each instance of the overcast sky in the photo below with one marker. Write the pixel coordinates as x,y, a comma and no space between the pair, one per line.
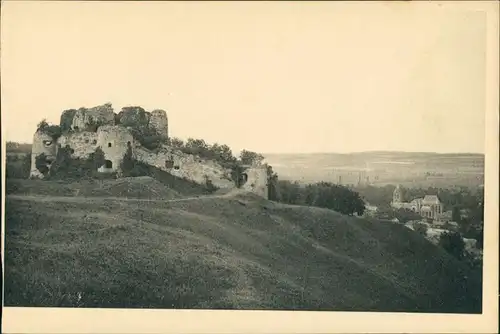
269,77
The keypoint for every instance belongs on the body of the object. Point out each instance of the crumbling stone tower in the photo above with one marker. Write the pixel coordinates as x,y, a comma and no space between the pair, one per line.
158,121
42,144
114,142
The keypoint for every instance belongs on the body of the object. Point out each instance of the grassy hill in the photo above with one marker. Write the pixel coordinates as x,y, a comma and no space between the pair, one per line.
229,251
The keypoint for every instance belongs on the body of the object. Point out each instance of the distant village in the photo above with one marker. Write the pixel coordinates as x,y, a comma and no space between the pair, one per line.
431,212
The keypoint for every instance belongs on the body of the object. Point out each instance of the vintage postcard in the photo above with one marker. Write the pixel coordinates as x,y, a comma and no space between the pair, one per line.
241,167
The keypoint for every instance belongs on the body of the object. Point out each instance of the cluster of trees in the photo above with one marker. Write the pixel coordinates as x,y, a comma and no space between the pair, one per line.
321,194
453,243
18,166
217,152
67,167
13,147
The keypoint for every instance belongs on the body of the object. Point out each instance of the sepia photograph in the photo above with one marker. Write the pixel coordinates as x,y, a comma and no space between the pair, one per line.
317,157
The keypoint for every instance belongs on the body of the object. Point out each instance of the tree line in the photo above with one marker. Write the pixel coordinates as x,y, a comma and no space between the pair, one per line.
321,194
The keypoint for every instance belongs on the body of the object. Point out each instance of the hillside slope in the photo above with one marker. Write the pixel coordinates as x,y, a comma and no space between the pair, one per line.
232,252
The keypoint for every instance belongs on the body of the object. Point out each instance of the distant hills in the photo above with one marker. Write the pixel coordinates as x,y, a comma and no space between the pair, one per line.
420,169
379,168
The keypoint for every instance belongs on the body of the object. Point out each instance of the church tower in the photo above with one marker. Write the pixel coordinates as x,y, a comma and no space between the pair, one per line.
397,197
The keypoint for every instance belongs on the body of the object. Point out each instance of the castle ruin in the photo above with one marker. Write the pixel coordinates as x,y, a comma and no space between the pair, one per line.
86,129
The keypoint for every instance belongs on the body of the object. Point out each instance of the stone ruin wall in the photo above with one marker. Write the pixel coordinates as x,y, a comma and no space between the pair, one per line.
114,140
158,121
187,166
82,143
42,144
103,114
257,180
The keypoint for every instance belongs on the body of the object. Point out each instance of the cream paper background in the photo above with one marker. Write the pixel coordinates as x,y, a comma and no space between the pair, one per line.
52,320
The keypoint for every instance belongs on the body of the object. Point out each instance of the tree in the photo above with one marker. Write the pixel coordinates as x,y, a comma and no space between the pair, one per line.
273,193
420,229
41,164
405,215
54,131
453,243
210,188
322,194
176,142
42,125
67,167
18,167
127,163
96,159
196,147
455,214
250,158
480,239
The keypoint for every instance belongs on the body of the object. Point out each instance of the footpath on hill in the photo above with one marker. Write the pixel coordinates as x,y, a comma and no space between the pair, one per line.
73,199
220,251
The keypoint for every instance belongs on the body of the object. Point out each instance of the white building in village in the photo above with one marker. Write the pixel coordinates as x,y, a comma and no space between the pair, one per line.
428,207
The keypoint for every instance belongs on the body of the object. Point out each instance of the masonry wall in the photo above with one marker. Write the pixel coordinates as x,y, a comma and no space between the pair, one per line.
42,144
256,181
114,141
103,114
82,143
187,166
159,122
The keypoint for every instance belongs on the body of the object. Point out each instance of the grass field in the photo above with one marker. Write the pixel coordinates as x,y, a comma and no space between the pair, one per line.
101,246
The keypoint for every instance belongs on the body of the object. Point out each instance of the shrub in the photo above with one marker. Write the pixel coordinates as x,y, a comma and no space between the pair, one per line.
147,137
127,163
405,215
453,243
18,168
421,229
13,147
322,194
209,185
67,167
41,164
54,131
249,157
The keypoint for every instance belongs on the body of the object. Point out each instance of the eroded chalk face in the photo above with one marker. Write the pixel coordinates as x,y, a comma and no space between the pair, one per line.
43,146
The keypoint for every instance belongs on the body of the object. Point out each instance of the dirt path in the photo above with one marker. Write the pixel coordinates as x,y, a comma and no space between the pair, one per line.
82,199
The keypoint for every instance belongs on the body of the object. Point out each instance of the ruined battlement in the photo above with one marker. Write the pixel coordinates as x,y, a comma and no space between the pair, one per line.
87,129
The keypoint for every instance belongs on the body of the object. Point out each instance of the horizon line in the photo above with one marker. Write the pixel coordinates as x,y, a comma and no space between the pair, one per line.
375,151
338,153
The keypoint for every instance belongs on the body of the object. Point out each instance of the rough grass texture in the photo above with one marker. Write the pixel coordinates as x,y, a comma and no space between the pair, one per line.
234,251
144,187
